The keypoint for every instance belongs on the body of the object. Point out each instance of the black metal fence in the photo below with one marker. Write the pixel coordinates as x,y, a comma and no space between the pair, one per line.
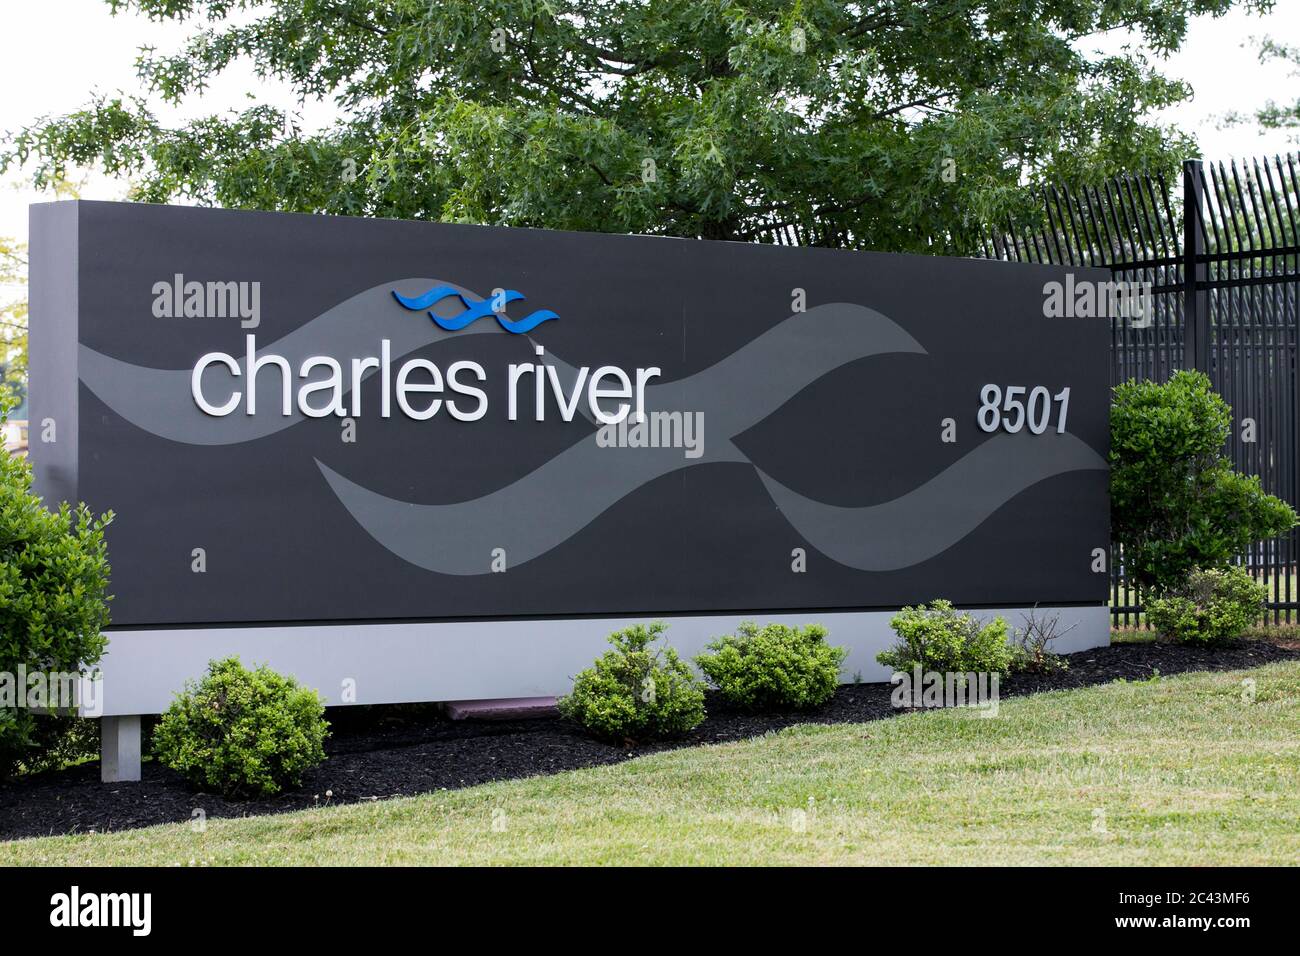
1220,259
1221,262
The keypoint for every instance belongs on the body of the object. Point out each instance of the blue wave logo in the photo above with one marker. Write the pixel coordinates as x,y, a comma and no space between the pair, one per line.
475,309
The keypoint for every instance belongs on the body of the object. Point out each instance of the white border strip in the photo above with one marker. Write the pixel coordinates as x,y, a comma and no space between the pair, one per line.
471,660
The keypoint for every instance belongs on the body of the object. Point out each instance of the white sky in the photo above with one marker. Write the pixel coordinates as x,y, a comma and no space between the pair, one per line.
53,53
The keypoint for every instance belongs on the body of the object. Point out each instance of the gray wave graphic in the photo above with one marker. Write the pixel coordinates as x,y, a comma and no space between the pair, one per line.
557,500
159,400
933,517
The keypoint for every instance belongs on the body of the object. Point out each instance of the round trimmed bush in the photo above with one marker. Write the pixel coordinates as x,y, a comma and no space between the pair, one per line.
634,692
774,667
940,638
241,732
1211,606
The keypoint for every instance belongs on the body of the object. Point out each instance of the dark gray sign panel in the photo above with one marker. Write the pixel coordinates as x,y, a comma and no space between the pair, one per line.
820,430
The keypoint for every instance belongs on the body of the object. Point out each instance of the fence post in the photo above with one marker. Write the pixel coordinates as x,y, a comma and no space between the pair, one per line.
1196,313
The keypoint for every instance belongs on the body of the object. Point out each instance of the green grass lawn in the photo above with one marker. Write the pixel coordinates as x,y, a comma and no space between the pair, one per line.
1175,771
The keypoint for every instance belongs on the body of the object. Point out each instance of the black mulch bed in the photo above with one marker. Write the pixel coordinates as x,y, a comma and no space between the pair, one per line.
377,753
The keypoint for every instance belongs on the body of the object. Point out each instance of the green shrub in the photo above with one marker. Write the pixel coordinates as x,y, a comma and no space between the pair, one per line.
46,741
774,667
243,732
1176,504
938,638
635,693
53,601
61,740
1214,605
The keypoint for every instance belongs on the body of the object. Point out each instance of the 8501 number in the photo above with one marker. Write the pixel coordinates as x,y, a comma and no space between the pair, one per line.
1018,406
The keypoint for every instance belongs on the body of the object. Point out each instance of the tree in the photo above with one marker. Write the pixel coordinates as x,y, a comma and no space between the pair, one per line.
13,319
1176,505
908,125
1275,115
